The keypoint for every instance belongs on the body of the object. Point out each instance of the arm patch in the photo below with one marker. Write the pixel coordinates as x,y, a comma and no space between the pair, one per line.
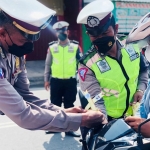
1,73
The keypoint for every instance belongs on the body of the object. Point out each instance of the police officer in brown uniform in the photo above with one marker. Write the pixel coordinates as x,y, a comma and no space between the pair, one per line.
108,70
60,69
20,25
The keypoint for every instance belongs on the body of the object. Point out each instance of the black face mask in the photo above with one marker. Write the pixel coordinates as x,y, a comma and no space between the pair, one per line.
62,36
19,51
104,44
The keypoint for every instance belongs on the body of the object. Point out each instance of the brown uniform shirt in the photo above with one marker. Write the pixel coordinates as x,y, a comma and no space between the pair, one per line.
22,107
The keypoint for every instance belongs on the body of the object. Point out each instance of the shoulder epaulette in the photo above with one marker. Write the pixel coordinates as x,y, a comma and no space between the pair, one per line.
2,53
73,41
87,55
51,43
120,43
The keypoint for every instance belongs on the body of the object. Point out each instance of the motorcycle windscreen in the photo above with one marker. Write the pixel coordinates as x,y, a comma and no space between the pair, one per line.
116,129
144,147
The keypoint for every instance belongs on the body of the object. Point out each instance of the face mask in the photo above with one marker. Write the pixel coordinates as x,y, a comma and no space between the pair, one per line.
104,44
62,36
19,51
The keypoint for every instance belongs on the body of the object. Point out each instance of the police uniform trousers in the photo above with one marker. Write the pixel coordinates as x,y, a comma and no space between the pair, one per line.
63,90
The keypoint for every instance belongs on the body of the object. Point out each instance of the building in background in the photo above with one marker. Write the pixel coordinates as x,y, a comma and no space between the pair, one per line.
126,12
66,10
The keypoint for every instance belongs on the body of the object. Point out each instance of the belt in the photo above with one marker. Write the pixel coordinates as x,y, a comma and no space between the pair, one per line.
65,78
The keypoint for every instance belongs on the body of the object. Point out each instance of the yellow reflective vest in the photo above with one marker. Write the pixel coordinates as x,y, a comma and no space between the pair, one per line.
118,80
64,61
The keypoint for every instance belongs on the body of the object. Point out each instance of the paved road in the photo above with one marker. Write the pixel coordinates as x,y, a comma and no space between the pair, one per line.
13,137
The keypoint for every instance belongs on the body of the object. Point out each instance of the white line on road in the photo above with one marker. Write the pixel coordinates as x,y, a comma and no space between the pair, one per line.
7,125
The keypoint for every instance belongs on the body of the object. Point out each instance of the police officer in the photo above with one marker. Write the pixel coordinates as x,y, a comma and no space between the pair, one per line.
60,69
20,24
114,75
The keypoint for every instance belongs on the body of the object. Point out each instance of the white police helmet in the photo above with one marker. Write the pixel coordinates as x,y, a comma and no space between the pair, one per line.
61,26
29,16
96,16
140,32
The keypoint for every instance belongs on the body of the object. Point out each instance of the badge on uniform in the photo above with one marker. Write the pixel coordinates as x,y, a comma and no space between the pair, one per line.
80,54
1,74
56,49
92,21
60,25
82,72
132,53
103,66
2,54
71,49
17,67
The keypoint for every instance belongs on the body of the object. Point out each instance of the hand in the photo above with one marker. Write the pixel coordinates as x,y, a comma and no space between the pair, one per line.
47,86
75,109
92,119
134,123
137,97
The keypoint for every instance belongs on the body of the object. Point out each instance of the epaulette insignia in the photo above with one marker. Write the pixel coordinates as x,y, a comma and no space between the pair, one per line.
51,43
76,42
1,53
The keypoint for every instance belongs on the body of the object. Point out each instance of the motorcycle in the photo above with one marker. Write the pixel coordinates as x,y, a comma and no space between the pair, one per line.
115,135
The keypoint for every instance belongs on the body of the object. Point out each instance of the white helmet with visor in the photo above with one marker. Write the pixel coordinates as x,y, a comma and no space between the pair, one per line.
140,34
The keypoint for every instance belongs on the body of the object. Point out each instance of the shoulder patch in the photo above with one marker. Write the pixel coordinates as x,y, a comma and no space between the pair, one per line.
1,74
82,72
2,54
76,42
103,66
131,52
51,43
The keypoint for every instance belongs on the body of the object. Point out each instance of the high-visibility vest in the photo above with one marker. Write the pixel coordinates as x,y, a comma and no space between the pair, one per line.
118,80
64,61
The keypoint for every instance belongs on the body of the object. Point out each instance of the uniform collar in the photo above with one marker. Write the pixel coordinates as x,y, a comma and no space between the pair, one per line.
67,44
119,47
2,52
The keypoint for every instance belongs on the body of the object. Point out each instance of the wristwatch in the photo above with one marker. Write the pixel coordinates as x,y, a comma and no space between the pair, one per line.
140,91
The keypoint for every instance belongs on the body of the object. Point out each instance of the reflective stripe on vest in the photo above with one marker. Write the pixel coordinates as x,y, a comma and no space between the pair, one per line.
63,60
118,89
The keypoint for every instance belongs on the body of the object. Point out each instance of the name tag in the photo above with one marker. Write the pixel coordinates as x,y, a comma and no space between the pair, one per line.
132,53
56,49
17,68
71,49
103,66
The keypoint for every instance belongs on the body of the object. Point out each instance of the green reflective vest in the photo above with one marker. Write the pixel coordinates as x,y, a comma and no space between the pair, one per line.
63,60
118,80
